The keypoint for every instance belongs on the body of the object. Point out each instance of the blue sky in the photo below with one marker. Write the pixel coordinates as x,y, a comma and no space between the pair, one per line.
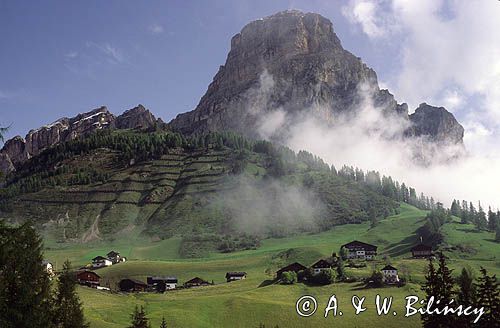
59,58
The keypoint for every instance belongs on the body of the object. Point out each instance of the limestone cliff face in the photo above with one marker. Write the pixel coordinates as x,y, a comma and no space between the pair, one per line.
437,124
137,117
18,150
308,70
294,61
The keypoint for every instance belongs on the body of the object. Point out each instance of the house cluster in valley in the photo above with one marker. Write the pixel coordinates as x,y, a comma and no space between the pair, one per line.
352,251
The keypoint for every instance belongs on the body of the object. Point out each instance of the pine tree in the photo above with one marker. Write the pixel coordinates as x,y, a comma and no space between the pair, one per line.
340,269
25,285
488,291
68,308
445,291
466,295
492,220
163,323
439,284
497,234
139,319
430,288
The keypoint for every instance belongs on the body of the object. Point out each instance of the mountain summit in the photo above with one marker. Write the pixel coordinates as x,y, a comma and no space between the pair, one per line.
294,61
18,150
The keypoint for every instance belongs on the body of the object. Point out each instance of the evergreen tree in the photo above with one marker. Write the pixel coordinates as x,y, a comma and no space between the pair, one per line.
455,208
497,234
492,220
24,284
68,308
445,290
163,323
340,269
480,219
488,291
466,296
431,289
439,284
139,319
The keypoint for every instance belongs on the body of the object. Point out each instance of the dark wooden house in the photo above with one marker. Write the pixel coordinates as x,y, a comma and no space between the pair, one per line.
232,276
114,257
421,251
295,267
196,282
321,265
359,250
132,285
161,284
88,278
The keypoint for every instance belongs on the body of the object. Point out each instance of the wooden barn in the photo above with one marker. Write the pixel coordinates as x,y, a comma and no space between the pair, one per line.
421,251
295,267
88,278
196,282
232,276
132,285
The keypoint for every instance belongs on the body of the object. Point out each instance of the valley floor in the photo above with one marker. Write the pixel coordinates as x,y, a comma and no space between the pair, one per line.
257,300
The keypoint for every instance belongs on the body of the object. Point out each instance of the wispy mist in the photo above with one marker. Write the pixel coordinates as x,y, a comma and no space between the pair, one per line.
270,207
369,139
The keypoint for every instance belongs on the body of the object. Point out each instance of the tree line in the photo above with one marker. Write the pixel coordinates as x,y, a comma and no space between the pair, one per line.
28,296
466,290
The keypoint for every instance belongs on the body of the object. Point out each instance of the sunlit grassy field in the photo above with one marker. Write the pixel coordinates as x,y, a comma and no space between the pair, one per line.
257,300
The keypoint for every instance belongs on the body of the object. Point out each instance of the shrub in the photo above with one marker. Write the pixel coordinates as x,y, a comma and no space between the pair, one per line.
288,278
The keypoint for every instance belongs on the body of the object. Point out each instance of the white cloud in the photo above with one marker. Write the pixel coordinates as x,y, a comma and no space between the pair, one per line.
450,51
156,29
453,100
368,15
448,45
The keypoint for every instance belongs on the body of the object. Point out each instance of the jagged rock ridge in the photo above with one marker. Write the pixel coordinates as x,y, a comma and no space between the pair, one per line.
18,150
295,61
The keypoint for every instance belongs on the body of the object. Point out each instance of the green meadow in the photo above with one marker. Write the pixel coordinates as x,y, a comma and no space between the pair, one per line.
258,299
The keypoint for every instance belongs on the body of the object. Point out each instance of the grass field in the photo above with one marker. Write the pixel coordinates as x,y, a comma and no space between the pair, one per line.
256,300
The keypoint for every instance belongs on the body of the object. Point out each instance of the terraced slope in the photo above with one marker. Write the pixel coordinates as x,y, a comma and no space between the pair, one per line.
211,192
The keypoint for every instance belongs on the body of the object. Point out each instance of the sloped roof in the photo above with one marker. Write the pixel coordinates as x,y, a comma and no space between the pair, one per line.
99,258
236,274
87,271
135,281
196,280
357,243
321,264
295,266
165,279
388,267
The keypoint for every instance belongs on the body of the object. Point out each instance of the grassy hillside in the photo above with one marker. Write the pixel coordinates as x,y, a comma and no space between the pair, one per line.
225,193
256,300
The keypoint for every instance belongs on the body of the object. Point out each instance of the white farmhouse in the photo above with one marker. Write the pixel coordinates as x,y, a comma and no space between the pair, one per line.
390,274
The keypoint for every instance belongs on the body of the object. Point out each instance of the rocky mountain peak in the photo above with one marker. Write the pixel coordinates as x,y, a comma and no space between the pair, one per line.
18,150
137,117
291,60
437,124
